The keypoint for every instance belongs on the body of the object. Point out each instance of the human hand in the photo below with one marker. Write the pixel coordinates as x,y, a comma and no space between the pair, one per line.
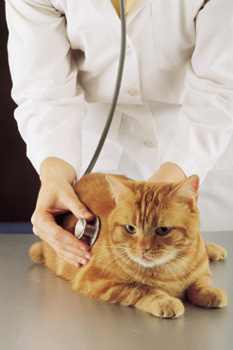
168,172
57,196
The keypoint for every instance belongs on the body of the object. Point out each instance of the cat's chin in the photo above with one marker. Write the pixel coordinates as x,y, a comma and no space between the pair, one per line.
147,262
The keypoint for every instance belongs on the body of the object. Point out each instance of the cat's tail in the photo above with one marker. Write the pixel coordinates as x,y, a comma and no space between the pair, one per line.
36,253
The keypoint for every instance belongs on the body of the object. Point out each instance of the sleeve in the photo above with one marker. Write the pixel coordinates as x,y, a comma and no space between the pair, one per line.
205,123
50,103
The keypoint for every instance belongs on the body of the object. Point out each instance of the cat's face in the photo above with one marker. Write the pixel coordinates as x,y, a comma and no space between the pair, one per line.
152,227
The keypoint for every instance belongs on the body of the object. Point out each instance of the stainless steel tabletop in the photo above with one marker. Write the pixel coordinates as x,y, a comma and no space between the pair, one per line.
40,311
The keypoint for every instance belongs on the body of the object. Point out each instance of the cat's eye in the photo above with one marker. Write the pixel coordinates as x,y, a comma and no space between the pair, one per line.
130,229
163,230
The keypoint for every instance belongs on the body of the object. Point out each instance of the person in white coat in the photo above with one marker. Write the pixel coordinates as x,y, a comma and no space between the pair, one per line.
174,115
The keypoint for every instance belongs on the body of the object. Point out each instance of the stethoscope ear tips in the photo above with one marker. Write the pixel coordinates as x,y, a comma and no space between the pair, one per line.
87,231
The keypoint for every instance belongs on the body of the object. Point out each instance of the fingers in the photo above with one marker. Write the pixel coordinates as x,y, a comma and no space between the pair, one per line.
64,243
57,197
78,208
72,203
67,257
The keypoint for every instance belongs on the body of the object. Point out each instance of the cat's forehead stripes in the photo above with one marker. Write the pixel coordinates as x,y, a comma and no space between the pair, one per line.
147,204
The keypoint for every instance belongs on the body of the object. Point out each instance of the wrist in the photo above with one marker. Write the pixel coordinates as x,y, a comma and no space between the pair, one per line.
56,169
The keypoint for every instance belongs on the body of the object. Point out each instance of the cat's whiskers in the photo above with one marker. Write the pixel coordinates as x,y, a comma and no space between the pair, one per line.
110,264
185,259
115,251
111,246
117,258
118,255
101,255
107,251
170,270
176,262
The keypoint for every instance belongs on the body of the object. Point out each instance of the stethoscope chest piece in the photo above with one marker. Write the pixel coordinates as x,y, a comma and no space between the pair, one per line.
87,231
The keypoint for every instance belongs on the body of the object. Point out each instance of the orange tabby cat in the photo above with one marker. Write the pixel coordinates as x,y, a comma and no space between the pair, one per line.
149,253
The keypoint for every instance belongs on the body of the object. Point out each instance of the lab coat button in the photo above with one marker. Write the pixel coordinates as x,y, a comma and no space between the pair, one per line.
149,143
133,92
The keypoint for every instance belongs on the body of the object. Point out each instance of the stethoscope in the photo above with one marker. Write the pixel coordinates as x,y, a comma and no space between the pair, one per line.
88,231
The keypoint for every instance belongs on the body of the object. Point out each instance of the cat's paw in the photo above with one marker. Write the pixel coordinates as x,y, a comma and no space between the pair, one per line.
215,252
167,308
210,297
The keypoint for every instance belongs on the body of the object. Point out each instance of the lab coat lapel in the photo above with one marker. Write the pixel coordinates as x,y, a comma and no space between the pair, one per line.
135,9
107,11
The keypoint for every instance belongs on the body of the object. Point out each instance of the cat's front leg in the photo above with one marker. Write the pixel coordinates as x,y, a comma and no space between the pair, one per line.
143,297
161,305
215,252
202,294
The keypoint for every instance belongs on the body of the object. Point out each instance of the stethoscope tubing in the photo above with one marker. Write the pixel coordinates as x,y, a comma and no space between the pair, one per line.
116,90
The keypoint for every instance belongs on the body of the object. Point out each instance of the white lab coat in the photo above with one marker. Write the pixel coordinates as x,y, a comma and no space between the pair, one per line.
176,99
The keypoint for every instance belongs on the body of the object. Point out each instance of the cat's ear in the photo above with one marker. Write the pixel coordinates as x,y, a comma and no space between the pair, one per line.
188,189
118,189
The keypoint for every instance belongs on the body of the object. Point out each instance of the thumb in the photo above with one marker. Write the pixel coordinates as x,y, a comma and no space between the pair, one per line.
77,207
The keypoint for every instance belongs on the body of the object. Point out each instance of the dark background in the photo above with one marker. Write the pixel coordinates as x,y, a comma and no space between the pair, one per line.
19,182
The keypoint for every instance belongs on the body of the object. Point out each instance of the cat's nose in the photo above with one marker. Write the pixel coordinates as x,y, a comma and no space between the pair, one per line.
143,246
144,250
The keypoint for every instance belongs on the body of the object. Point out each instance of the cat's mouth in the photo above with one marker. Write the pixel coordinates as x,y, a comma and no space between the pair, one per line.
151,261
144,257
143,260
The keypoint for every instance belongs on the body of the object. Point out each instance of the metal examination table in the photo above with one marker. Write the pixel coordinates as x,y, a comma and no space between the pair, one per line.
40,311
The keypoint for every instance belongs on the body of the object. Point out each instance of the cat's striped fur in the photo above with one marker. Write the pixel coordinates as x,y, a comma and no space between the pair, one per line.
149,254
